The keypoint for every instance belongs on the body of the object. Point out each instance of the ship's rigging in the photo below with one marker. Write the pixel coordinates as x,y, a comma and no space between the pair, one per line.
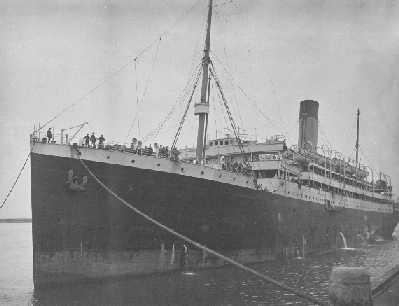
202,109
208,71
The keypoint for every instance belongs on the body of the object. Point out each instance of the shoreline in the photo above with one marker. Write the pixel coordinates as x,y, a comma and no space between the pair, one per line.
16,220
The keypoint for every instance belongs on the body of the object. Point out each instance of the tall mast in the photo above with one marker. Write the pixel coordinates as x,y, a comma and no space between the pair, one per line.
357,138
202,109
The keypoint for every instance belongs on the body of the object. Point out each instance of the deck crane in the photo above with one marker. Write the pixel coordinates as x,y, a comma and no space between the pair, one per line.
79,126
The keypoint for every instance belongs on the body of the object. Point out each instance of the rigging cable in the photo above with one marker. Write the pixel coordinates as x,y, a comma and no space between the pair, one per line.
206,116
16,180
155,132
235,100
250,99
196,244
185,111
121,68
232,122
139,102
101,83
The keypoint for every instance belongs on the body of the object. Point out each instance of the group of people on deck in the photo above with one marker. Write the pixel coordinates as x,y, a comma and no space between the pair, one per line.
136,146
232,166
90,141
159,151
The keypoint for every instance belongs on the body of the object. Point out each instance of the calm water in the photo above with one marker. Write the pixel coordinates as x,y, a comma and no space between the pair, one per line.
224,286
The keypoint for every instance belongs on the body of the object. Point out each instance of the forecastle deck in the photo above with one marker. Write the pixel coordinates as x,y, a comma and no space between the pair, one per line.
124,158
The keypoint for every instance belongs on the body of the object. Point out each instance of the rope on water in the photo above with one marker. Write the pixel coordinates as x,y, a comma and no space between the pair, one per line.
15,182
198,245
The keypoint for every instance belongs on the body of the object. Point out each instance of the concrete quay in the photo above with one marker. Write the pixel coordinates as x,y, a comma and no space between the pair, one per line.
390,295
374,275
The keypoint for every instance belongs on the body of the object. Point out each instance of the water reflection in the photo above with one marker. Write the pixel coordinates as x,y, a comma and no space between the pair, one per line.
223,286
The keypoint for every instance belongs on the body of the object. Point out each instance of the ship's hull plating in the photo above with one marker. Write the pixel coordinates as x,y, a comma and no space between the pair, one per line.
88,234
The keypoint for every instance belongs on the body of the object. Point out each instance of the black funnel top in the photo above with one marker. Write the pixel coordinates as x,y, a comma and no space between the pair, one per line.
308,125
309,108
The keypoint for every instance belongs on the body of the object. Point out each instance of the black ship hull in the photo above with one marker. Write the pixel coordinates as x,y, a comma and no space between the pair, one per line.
85,233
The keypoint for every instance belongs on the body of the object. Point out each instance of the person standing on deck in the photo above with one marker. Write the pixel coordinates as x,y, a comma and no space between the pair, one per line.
156,150
87,140
93,140
133,145
101,142
49,135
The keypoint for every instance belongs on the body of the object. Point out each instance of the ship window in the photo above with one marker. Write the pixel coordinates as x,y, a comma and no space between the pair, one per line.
202,172
226,142
211,143
216,143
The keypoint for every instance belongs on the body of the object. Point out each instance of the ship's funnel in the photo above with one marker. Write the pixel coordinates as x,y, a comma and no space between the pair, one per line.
308,125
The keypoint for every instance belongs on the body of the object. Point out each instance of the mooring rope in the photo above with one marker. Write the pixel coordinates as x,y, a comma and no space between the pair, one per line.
16,181
197,244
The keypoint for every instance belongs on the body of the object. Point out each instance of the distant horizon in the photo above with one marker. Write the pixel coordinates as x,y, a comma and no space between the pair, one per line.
15,220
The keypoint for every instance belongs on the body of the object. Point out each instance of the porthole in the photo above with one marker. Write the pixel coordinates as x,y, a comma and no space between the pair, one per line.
182,169
132,161
158,165
202,172
108,157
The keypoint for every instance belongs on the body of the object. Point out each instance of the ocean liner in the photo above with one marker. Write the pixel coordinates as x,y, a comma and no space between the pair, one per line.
250,200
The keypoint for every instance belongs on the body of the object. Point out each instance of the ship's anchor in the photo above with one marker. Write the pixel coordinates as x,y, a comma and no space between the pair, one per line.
73,182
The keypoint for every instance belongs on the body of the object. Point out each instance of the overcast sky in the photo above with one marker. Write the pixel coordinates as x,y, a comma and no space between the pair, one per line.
344,54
